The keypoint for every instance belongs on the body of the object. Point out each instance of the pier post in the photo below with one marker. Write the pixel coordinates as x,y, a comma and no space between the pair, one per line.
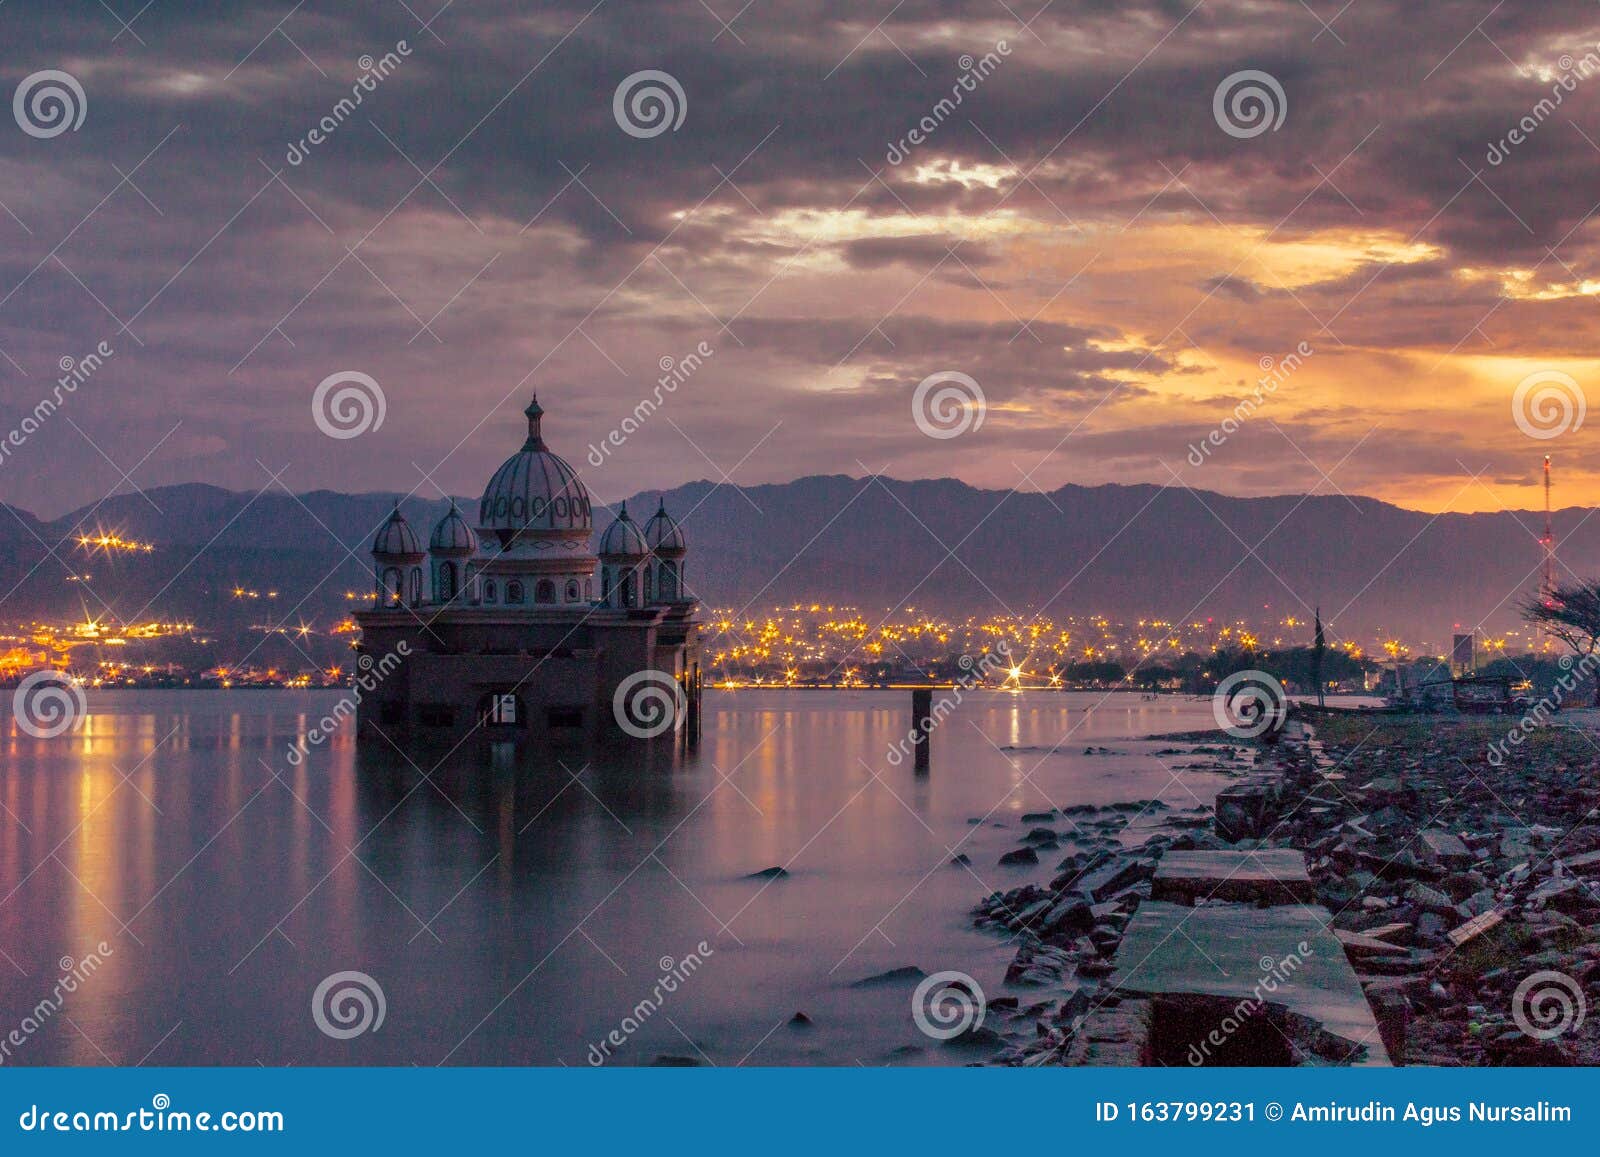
921,713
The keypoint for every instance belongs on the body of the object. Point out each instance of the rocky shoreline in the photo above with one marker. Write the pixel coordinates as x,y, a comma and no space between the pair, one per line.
1465,890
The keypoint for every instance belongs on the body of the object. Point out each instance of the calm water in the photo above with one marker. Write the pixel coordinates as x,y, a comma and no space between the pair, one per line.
514,914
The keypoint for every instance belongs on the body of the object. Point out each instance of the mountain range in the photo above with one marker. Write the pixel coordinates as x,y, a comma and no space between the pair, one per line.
1128,552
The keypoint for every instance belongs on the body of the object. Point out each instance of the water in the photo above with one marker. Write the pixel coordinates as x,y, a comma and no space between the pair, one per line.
518,913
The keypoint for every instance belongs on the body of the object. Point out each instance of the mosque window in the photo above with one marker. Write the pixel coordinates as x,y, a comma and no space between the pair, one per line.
489,591
513,592
572,590
544,592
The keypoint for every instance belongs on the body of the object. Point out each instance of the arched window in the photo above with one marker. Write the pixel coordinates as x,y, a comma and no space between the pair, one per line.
627,590
447,582
392,584
513,592
544,592
648,596
605,584
669,582
572,590
489,592
588,589
416,586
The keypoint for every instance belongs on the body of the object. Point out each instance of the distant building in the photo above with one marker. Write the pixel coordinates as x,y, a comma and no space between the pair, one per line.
1463,662
510,632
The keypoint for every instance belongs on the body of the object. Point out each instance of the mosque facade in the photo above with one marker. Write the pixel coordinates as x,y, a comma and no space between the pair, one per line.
509,627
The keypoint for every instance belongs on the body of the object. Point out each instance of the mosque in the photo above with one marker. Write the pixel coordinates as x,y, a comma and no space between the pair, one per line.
503,628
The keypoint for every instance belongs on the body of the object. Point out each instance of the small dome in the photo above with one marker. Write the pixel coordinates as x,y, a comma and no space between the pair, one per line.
452,535
663,535
534,489
396,539
622,538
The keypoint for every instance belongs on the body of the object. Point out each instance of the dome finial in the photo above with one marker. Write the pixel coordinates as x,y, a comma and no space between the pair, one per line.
534,412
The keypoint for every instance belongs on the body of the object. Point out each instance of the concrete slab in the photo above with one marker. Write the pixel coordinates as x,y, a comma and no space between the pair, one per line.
1273,974
1262,876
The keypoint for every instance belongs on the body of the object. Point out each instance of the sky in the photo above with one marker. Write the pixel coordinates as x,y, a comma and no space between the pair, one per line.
1245,247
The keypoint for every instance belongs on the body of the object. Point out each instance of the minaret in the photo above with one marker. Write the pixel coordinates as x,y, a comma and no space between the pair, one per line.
535,412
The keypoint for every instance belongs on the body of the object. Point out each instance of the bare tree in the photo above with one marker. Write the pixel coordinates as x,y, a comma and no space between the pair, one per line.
1571,614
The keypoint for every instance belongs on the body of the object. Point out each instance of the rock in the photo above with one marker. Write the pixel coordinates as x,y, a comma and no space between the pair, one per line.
1040,836
1443,848
1039,817
769,874
1071,916
800,1020
905,974
960,860
1022,856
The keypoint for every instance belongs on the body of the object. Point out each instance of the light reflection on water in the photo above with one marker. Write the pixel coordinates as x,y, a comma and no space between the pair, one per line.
515,909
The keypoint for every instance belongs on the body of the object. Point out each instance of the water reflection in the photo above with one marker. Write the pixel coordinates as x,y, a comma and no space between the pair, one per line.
514,904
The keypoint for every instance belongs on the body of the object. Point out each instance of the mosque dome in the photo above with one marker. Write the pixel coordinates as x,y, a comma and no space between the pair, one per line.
622,538
452,535
663,535
535,489
396,539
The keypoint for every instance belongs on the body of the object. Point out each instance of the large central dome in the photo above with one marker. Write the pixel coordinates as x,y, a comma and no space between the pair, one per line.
535,489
